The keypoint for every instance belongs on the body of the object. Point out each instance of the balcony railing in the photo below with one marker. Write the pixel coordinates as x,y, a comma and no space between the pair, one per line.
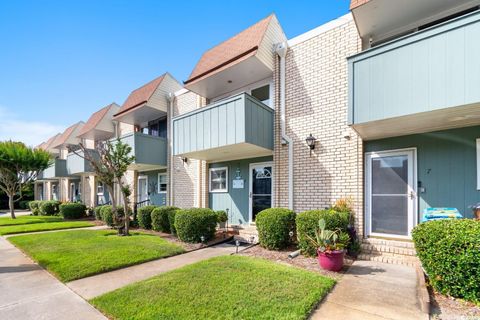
240,126
150,152
77,164
58,169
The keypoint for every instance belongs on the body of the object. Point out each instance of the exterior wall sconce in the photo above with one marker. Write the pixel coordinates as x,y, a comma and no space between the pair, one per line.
185,160
311,142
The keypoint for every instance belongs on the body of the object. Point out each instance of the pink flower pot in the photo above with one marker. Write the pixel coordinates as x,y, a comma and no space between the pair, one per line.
331,261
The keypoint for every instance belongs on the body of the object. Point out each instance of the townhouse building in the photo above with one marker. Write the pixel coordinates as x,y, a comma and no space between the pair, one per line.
381,105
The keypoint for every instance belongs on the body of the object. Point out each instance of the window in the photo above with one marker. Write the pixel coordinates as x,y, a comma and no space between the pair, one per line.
218,179
162,183
156,128
478,164
262,94
100,189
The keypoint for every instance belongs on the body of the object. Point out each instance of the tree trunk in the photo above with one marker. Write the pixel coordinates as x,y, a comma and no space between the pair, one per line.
127,216
11,206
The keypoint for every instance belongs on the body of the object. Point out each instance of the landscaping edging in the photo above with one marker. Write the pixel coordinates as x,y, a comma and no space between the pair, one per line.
422,291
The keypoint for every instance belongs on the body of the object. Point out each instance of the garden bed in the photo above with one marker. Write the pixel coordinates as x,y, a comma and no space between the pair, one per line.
228,287
281,256
447,308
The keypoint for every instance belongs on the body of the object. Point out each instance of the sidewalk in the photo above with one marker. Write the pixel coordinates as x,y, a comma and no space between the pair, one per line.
29,292
102,283
373,291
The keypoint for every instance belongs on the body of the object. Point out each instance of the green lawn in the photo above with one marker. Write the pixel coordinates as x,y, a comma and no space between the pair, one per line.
229,287
7,221
35,227
77,254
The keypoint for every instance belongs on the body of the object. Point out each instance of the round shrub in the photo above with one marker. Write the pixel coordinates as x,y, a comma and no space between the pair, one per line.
450,254
274,226
160,219
307,223
107,215
192,224
72,210
23,204
171,220
144,217
49,208
221,216
98,213
35,207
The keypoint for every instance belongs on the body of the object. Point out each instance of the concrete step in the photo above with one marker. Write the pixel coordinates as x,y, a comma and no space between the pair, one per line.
247,234
390,243
387,249
391,259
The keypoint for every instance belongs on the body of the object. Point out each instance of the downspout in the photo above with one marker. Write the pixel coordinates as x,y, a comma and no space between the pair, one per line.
170,98
281,50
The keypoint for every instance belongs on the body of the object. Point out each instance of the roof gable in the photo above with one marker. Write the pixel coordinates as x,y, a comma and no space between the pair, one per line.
95,119
140,95
229,51
63,138
357,3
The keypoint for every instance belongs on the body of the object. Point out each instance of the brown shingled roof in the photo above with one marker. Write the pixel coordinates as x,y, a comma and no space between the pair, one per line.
61,139
357,3
49,142
231,50
141,95
94,120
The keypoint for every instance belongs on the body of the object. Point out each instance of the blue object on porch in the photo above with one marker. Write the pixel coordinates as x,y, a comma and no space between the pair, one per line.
440,213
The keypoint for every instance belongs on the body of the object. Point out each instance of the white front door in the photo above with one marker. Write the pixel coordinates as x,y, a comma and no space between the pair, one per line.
260,188
391,193
142,188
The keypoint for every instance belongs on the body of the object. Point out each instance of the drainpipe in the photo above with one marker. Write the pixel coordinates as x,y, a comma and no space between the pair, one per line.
170,98
281,50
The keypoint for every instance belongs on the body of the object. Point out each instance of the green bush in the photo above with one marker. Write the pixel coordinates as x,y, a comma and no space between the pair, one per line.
23,204
192,224
274,226
35,207
160,219
72,210
107,215
98,213
450,254
171,220
144,217
307,223
49,208
221,216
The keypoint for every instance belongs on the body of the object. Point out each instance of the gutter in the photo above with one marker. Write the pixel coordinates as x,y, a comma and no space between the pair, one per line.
170,98
281,49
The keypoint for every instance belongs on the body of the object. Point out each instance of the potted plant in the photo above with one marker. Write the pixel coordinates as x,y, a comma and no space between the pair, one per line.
221,218
476,210
330,246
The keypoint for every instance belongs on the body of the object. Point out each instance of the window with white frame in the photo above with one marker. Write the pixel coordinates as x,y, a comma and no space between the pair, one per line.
478,164
100,189
162,182
219,179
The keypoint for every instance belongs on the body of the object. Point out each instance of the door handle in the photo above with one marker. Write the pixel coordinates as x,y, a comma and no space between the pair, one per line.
413,195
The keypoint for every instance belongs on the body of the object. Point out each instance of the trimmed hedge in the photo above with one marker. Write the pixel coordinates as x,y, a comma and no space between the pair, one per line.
23,204
171,220
450,254
192,224
107,215
274,226
98,213
144,216
221,216
160,219
35,207
49,208
72,210
307,223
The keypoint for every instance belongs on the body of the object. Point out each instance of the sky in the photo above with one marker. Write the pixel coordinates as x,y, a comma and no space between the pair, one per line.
60,61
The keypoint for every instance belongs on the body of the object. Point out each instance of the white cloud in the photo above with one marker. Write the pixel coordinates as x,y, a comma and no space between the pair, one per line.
32,133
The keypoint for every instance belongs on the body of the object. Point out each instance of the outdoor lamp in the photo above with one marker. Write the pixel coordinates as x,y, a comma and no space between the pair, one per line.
311,142
202,238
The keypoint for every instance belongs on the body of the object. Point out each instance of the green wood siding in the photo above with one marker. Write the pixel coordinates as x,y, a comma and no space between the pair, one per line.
58,169
78,165
430,70
239,119
447,166
235,200
147,149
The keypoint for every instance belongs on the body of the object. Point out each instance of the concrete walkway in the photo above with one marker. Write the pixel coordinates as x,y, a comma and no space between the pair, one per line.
102,283
29,292
373,291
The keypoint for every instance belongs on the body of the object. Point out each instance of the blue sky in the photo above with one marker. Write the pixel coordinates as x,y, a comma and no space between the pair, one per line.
60,61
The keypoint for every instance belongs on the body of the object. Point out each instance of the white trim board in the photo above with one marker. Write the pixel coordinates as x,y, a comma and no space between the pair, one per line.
478,164
321,29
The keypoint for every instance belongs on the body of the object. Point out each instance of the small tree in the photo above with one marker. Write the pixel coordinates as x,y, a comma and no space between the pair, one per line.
19,166
110,162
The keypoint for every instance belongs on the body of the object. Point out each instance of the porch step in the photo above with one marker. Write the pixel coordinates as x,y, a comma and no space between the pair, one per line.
388,251
247,234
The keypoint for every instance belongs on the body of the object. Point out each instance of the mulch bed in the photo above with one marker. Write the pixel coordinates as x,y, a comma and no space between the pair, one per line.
308,263
447,308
